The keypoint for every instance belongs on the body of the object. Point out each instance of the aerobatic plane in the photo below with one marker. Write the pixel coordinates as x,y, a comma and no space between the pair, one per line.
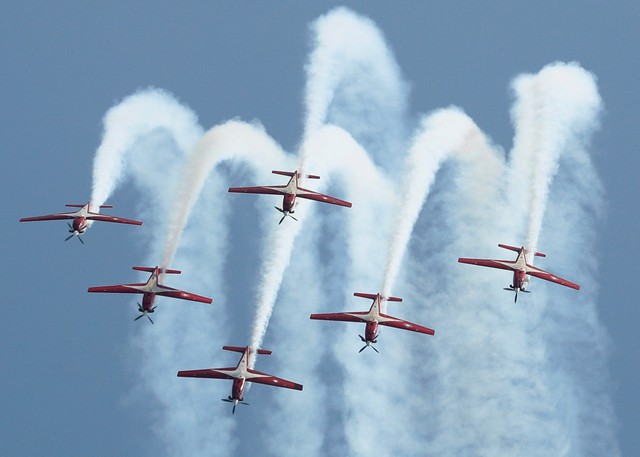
82,219
290,192
241,374
521,270
150,290
373,318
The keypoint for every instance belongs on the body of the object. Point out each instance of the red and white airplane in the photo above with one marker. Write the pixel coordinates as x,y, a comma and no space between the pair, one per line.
290,192
241,374
521,270
82,219
372,319
149,290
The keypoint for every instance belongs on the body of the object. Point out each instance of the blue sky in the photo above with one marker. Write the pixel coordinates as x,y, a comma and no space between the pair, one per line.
72,384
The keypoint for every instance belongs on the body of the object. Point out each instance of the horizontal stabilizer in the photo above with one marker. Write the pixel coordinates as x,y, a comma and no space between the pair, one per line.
313,177
244,348
515,249
511,248
152,269
373,296
283,173
75,206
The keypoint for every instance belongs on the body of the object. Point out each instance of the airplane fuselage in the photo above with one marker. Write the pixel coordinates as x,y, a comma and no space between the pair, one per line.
237,389
371,332
288,202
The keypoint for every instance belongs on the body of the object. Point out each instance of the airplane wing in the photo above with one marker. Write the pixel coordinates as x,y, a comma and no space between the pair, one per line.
264,378
405,325
105,218
268,190
181,294
212,373
342,317
119,289
49,217
501,264
317,196
538,273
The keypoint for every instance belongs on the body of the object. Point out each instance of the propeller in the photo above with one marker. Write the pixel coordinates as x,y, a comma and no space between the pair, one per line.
285,214
516,290
235,403
73,233
145,313
368,344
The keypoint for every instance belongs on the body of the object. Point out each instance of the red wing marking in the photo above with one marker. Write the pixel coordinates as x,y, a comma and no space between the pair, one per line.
342,317
501,264
119,289
538,273
181,294
271,190
264,378
311,195
50,217
405,325
118,220
212,373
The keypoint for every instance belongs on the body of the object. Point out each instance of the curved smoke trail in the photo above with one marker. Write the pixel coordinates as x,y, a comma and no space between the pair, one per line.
555,106
128,121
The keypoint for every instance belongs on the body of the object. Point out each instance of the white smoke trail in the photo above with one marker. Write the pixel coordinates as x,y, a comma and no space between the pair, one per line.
440,133
554,106
233,140
354,82
124,124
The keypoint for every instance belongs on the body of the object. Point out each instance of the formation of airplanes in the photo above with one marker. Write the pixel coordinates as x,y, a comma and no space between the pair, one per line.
241,374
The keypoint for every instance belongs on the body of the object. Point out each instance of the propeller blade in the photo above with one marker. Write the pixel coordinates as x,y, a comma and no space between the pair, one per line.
363,348
283,217
281,210
70,227
149,317
374,348
69,237
139,317
293,218
233,411
362,338
80,239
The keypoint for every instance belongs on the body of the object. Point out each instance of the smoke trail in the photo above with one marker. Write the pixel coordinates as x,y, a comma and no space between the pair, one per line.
354,82
555,106
233,140
440,133
124,124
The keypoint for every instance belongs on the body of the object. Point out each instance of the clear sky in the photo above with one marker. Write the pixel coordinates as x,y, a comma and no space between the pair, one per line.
72,382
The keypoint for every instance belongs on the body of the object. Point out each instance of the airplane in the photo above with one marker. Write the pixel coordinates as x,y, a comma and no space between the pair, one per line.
521,270
241,374
150,290
373,318
82,219
290,192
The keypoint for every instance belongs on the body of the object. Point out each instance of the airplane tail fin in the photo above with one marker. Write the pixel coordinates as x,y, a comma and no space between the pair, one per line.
373,296
244,348
515,249
152,269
